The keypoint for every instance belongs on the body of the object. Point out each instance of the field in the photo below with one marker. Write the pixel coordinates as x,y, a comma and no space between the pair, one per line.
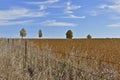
101,49
59,59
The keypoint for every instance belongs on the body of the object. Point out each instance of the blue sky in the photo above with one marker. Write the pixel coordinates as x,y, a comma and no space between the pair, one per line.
100,18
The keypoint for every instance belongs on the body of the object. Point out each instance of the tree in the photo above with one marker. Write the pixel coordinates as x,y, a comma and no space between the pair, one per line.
22,32
69,34
89,36
40,33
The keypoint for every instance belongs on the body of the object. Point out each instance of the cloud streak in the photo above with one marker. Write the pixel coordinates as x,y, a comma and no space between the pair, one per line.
115,6
18,13
8,23
114,25
54,23
70,8
9,17
44,2
75,17
43,5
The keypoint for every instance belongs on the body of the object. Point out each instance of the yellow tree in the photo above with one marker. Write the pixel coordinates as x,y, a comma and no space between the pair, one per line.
22,32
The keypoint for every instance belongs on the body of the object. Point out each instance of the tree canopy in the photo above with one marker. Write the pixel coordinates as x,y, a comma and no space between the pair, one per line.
89,36
22,32
40,33
69,34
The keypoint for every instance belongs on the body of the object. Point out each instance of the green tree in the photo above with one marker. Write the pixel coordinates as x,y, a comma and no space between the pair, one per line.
89,36
69,34
22,32
40,33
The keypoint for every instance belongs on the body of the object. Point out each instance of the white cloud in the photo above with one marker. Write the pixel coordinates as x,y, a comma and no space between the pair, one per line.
72,7
8,23
112,8
69,8
75,17
8,17
44,2
54,23
116,1
103,6
115,6
42,7
114,25
12,13
18,13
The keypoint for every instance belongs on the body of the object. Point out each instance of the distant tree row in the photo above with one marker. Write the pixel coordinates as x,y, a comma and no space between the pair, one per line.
69,34
23,33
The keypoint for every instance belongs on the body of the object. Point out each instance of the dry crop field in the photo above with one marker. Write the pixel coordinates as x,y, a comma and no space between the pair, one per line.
59,59
102,50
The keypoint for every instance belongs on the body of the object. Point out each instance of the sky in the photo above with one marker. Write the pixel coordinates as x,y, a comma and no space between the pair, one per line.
100,18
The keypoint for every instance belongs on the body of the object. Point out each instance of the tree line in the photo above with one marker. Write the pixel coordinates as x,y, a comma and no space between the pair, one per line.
69,34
